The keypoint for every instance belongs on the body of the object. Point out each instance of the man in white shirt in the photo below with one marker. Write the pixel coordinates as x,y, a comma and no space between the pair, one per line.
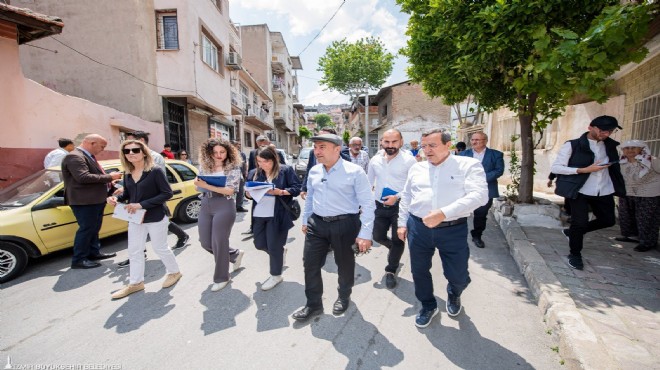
387,173
55,156
589,175
439,196
357,155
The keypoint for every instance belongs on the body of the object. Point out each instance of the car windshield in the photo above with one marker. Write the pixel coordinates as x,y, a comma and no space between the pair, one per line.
304,154
30,188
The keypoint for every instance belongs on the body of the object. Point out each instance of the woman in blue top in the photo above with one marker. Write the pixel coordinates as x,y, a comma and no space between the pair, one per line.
272,220
145,187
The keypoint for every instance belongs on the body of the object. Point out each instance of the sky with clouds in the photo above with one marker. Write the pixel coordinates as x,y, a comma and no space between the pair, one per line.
301,20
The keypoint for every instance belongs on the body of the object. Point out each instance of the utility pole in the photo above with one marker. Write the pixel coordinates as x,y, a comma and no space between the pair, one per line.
366,120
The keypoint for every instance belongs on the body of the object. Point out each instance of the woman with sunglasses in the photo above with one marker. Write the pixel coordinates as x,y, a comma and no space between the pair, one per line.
145,187
218,211
182,155
272,220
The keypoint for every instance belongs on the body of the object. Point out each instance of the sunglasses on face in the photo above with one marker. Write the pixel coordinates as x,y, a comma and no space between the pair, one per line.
131,150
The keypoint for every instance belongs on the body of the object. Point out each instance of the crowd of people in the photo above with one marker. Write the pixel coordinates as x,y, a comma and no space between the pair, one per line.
423,196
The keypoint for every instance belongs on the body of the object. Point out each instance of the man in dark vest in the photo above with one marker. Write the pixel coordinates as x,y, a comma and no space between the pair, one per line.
589,175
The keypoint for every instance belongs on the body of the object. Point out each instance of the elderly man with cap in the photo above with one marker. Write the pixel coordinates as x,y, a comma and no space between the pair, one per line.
336,190
589,175
639,210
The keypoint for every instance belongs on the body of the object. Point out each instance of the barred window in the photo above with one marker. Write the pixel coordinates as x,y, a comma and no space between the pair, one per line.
646,123
167,36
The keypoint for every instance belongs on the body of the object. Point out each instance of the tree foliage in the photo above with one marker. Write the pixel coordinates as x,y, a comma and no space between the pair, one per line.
346,136
322,120
354,68
530,56
304,132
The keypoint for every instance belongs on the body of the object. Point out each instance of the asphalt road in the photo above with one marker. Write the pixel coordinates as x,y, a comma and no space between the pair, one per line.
60,317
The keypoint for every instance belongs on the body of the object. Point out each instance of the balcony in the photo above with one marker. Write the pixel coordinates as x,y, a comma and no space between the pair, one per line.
278,63
258,117
235,104
278,88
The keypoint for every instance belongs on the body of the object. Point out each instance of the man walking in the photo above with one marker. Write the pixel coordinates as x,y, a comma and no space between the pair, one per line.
55,156
438,197
589,175
311,162
357,155
86,187
493,162
240,196
339,211
387,174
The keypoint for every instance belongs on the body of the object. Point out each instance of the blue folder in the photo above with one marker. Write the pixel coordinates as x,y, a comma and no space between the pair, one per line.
388,192
219,181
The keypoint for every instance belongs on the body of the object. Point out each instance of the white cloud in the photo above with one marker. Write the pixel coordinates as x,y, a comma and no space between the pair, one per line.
319,95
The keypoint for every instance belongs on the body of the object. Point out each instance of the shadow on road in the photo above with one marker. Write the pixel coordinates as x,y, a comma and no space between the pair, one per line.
275,306
131,315
220,314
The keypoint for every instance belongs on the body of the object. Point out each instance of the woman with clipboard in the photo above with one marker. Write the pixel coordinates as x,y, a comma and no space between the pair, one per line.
272,220
219,161
145,187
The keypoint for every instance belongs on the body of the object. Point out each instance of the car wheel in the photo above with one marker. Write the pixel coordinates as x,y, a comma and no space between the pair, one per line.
13,260
189,210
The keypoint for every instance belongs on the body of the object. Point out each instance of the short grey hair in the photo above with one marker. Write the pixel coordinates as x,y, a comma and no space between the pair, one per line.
445,136
353,139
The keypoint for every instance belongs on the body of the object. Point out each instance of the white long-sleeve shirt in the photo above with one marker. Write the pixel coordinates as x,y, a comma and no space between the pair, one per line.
599,182
389,174
55,157
456,186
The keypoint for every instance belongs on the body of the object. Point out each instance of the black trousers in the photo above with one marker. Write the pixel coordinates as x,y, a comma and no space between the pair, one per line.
320,236
480,215
176,230
386,220
268,238
240,196
603,209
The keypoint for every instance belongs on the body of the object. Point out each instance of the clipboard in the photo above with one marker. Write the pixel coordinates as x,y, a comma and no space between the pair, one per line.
219,181
122,214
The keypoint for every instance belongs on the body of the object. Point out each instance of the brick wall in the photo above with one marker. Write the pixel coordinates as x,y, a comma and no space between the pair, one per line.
199,131
8,30
410,103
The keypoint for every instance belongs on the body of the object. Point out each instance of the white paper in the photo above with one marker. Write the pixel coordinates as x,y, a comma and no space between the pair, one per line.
122,214
258,192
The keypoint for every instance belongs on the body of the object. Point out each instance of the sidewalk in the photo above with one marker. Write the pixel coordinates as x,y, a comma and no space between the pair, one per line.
606,316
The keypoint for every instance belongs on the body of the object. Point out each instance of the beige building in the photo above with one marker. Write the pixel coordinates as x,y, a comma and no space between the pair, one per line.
267,59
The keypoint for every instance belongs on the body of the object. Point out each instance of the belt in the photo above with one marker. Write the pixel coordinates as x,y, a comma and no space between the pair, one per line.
445,223
381,205
335,218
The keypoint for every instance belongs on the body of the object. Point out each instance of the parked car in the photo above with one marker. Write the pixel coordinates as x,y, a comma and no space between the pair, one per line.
35,222
301,162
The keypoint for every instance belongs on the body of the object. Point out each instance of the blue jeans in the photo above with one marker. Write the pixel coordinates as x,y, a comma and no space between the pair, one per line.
86,242
452,244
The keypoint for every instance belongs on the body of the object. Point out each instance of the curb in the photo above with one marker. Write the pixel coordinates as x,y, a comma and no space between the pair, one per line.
579,346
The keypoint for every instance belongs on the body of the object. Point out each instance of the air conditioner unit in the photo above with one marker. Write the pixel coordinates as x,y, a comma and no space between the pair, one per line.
233,60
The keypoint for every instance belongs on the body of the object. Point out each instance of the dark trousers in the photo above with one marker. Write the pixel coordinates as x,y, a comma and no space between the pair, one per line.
320,236
640,216
386,220
176,230
268,238
480,215
240,196
86,242
452,244
603,209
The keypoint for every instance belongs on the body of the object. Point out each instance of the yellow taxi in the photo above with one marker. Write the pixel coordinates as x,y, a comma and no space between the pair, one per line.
34,220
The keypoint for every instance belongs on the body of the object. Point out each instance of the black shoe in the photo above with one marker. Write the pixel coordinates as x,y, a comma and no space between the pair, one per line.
424,317
306,312
390,280
101,256
566,234
340,306
241,209
453,305
643,247
85,264
181,242
249,232
575,262
626,239
123,264
478,242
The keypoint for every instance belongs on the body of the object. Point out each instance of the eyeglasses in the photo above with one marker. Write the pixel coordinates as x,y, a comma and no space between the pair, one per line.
131,150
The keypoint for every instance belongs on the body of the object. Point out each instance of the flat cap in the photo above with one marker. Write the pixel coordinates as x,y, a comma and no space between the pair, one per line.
606,123
330,138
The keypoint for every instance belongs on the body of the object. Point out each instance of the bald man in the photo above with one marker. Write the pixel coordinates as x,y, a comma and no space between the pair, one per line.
86,187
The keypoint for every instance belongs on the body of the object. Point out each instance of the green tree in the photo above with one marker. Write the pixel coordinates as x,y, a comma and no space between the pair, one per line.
531,56
304,132
322,120
346,137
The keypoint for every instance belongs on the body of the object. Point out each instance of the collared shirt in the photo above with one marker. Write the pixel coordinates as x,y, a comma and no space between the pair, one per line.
343,190
54,157
479,156
389,174
456,186
362,160
159,161
599,182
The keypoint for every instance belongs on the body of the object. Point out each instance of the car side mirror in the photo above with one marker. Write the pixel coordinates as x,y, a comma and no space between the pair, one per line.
52,202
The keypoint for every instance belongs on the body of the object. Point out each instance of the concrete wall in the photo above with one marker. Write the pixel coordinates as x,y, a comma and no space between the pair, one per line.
199,132
257,53
34,117
121,34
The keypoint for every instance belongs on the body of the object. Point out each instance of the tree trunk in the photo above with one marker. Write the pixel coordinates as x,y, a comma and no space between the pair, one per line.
525,116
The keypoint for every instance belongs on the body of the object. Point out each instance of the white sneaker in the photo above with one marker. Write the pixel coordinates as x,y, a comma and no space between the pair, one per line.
219,286
271,282
239,259
284,256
